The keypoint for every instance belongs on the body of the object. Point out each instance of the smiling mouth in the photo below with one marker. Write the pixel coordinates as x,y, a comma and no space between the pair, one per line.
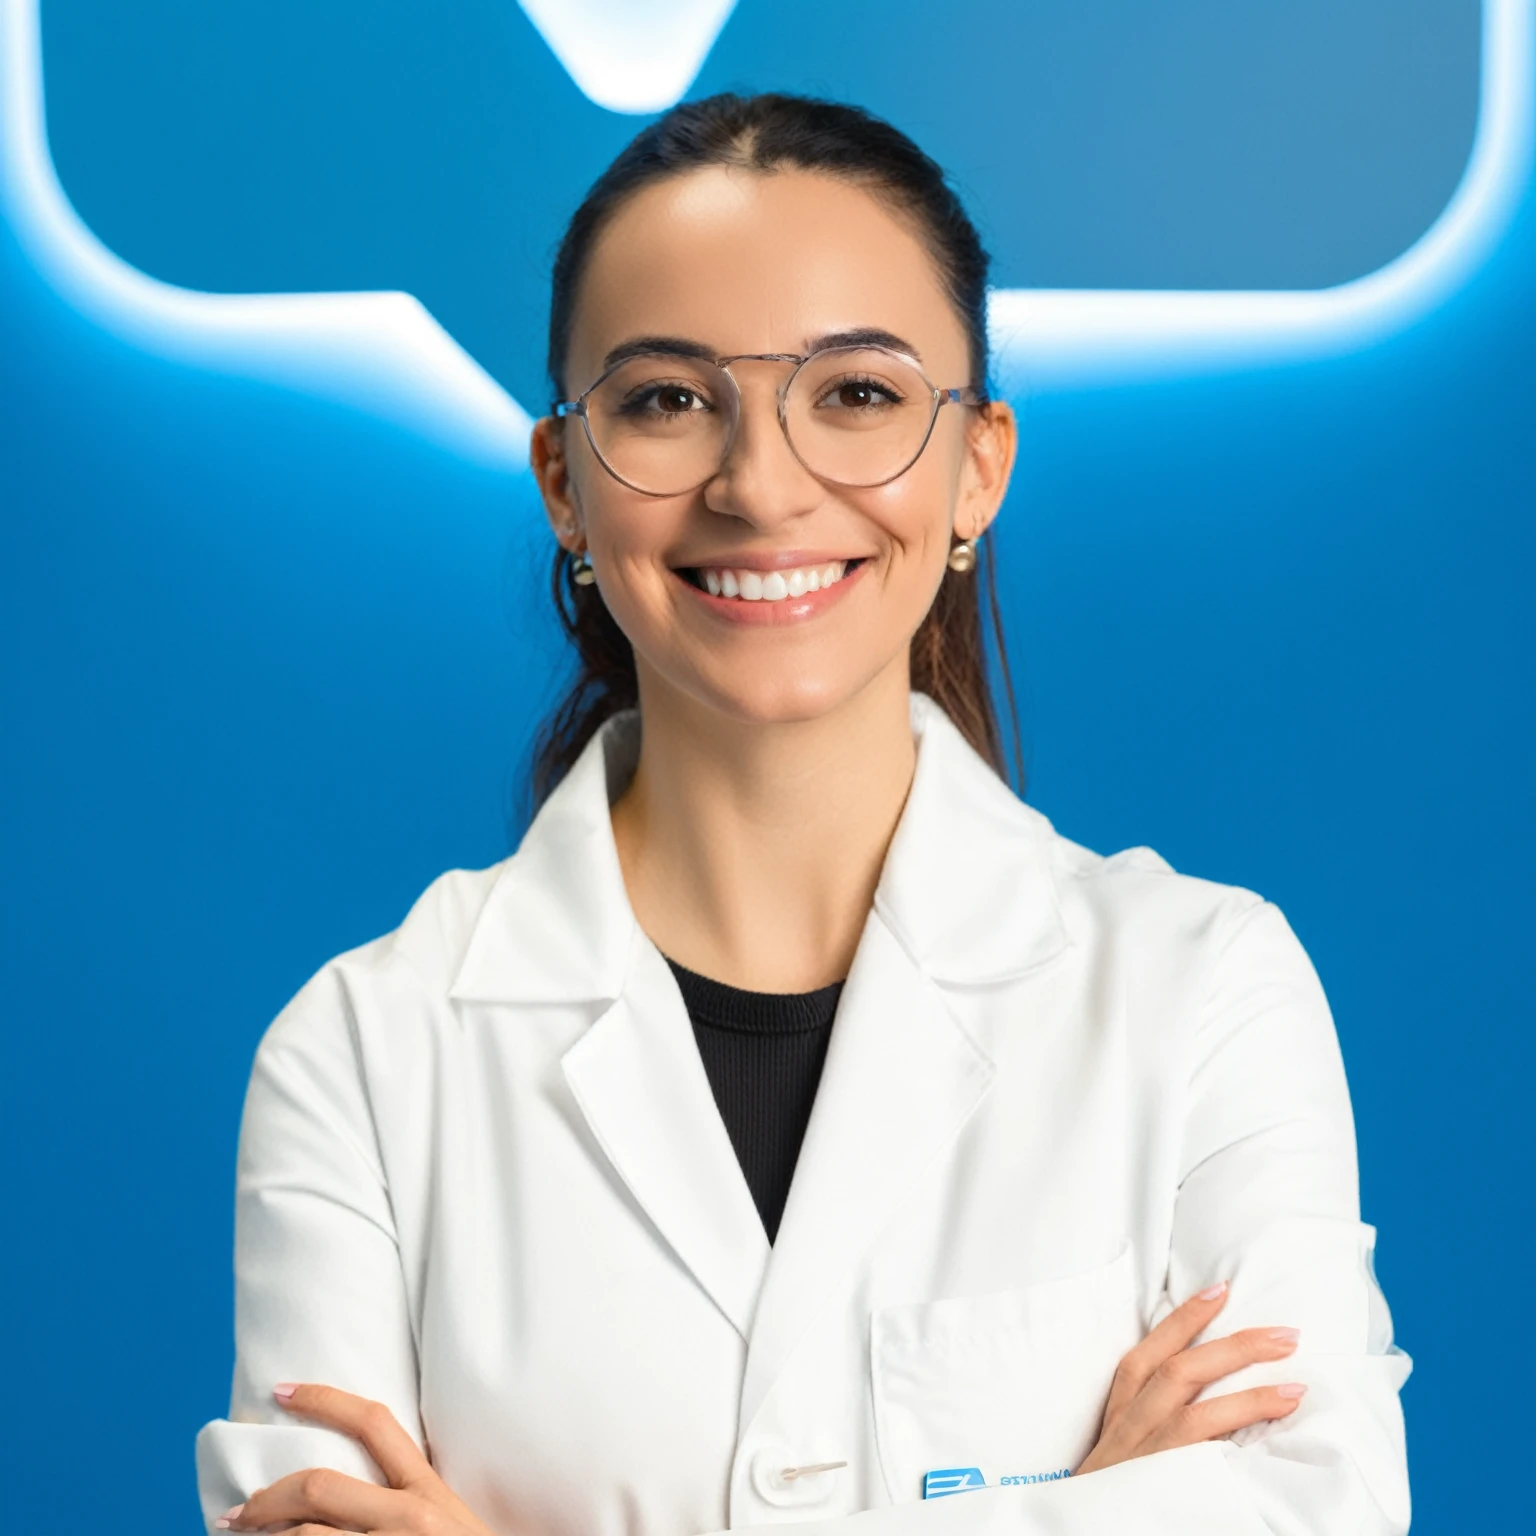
768,586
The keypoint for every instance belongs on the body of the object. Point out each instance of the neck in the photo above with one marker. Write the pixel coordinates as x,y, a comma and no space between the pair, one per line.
751,852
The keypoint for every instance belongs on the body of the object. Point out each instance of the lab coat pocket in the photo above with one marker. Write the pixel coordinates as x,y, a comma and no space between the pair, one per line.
1012,1384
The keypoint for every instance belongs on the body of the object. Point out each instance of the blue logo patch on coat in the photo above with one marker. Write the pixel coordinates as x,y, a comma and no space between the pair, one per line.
940,1484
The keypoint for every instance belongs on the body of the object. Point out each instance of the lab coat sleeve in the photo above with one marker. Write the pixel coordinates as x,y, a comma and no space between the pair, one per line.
1267,1198
319,1293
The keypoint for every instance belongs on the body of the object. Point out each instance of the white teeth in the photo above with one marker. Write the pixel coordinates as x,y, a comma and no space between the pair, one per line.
772,586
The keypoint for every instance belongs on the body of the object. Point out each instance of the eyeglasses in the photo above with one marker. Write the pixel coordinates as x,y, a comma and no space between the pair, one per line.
663,423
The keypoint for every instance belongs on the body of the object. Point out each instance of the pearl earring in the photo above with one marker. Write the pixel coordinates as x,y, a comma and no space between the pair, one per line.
962,557
584,575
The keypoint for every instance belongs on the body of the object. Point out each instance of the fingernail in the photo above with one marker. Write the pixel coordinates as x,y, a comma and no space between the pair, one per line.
1292,1389
1285,1335
229,1515
285,1389
1211,1292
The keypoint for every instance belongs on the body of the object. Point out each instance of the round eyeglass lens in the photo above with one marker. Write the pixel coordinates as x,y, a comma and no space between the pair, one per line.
858,415
661,422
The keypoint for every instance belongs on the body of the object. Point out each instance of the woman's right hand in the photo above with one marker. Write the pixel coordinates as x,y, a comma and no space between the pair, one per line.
1151,1402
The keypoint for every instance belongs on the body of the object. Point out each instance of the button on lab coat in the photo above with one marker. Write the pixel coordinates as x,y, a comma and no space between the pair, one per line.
482,1178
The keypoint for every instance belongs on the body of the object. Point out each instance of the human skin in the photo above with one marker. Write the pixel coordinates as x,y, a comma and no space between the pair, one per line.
775,758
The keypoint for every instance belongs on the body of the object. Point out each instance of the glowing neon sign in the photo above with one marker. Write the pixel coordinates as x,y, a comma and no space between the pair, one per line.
384,353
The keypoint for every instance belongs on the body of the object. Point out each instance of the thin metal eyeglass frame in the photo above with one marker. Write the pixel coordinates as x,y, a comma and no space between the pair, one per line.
965,394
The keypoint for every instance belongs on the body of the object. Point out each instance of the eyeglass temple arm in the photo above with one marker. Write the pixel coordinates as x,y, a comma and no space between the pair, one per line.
965,395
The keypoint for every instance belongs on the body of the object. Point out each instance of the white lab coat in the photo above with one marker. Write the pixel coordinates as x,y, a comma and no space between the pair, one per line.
483,1179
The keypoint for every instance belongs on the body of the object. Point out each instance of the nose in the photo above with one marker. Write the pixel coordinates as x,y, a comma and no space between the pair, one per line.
761,481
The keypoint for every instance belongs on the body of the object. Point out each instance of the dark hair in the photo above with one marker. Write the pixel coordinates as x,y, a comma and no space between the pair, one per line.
768,133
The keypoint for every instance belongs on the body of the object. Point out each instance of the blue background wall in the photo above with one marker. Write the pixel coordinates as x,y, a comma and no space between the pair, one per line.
271,664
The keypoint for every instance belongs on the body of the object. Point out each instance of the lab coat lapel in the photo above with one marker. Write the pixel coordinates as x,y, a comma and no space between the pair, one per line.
558,929
901,1078
640,1082
966,898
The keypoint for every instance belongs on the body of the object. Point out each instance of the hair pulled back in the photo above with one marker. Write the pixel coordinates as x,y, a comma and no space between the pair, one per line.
768,133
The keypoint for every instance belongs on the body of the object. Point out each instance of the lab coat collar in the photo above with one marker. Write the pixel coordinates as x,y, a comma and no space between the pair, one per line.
966,889
557,926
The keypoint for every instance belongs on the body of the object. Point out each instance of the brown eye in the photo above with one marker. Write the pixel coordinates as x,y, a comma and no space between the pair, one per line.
676,401
856,395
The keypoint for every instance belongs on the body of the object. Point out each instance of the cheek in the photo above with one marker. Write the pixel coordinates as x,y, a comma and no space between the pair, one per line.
914,515
629,536
624,529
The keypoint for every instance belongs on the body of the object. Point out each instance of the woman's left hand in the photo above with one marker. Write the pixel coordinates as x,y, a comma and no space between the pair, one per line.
320,1501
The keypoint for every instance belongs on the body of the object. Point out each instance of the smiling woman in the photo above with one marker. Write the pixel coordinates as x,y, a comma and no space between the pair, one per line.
797,1125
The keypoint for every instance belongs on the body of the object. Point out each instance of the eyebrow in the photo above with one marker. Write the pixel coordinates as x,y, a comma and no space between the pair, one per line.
683,346
678,346
865,336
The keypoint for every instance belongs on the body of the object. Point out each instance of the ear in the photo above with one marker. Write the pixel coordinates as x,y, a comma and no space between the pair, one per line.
992,445
552,470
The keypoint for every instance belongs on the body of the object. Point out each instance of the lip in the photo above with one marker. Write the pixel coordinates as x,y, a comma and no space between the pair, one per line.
788,610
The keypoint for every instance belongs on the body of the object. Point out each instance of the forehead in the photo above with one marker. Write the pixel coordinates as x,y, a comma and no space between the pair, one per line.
746,261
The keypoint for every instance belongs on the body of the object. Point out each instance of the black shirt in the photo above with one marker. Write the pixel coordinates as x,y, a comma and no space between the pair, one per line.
763,1053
